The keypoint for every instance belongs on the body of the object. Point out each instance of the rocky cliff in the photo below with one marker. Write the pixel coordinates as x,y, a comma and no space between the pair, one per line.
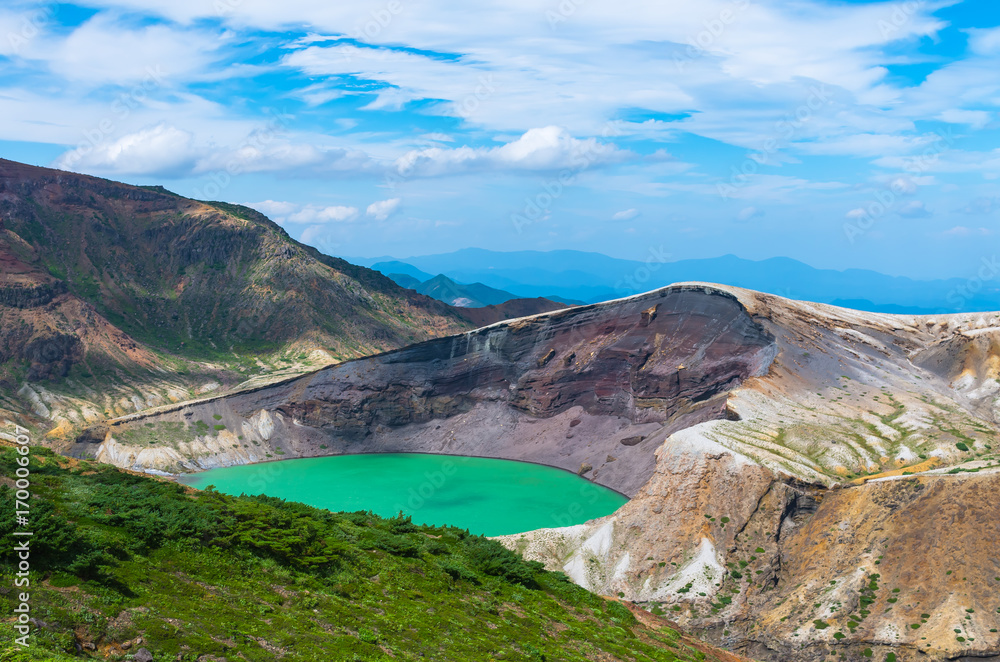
593,389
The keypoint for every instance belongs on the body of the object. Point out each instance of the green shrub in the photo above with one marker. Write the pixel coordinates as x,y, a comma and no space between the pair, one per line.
492,558
394,544
620,614
402,524
459,572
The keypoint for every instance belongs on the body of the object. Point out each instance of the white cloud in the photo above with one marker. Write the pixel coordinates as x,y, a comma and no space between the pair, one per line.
904,185
439,137
547,148
107,50
168,151
985,42
760,187
948,161
162,149
914,209
274,208
625,215
172,152
976,119
315,235
316,215
866,144
855,214
383,209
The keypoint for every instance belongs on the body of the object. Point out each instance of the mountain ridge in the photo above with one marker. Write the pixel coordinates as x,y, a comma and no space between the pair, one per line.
116,298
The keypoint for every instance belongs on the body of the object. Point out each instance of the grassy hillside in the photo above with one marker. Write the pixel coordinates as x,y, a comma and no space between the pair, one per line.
122,562
203,278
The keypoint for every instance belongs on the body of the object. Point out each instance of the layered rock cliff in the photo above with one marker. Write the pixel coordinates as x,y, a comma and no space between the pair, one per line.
593,389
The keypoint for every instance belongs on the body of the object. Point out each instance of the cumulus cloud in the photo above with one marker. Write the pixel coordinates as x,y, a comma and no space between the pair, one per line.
313,215
976,119
168,151
855,214
625,215
383,209
548,148
162,149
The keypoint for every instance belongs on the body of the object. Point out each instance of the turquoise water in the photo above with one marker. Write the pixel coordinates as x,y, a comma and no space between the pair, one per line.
491,497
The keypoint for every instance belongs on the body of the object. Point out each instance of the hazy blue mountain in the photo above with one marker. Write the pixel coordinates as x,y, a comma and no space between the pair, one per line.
590,277
405,280
442,288
474,295
396,267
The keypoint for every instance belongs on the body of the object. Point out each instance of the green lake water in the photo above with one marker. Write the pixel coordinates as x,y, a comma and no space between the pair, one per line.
491,497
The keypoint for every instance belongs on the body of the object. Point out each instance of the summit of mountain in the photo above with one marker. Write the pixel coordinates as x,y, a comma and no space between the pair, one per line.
114,298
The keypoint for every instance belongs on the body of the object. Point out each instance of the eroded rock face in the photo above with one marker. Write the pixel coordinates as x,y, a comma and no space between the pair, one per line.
52,356
610,360
873,562
759,532
640,367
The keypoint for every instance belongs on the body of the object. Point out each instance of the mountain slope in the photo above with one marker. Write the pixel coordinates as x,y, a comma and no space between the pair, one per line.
116,294
123,564
168,270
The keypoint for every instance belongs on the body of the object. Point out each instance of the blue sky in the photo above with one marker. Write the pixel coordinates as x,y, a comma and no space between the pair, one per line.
843,134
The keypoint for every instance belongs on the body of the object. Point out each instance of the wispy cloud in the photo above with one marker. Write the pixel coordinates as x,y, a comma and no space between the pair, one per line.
383,209
625,215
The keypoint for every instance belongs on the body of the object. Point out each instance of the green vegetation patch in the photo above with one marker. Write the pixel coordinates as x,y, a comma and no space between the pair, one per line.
153,434
117,556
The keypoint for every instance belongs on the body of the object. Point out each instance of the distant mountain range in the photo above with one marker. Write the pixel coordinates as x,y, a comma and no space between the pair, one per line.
576,276
442,288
